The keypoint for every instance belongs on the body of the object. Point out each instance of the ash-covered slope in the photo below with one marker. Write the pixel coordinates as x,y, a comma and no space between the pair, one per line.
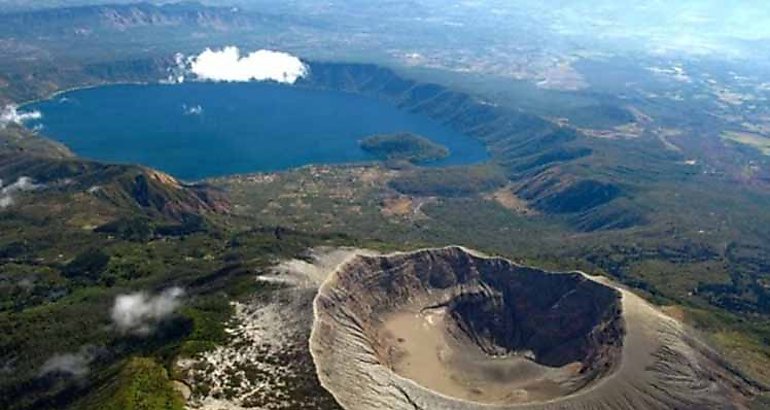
450,329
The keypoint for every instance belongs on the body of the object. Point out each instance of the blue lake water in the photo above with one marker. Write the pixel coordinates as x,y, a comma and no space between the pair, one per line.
200,130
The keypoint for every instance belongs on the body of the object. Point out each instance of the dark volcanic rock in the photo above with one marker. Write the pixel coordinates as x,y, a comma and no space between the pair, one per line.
561,318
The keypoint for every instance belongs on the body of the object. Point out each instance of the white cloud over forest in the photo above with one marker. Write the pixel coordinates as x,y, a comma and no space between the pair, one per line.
139,313
8,192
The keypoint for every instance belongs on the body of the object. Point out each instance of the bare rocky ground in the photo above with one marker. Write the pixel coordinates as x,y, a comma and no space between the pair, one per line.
266,364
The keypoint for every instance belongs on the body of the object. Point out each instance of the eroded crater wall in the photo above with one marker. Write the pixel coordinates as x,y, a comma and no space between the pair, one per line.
605,347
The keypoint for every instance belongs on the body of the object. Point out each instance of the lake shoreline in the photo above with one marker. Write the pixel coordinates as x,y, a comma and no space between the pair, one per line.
59,93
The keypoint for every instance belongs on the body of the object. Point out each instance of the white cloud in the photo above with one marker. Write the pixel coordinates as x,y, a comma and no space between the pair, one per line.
177,72
23,184
74,364
10,114
138,313
227,64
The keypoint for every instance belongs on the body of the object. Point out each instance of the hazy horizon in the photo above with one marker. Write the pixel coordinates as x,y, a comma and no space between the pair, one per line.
691,27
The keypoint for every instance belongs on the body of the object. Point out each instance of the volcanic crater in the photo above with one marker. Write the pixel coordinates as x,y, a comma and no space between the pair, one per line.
452,329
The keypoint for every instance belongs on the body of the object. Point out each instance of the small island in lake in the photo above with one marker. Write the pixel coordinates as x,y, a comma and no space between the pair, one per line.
404,147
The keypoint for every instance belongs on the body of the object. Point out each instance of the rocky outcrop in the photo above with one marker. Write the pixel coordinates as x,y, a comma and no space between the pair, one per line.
389,329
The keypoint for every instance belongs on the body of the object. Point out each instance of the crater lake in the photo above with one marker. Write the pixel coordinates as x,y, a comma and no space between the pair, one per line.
200,130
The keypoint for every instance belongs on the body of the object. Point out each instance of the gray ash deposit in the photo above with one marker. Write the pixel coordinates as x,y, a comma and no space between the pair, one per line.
451,329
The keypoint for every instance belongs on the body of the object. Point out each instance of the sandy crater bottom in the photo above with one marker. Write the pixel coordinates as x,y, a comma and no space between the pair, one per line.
422,350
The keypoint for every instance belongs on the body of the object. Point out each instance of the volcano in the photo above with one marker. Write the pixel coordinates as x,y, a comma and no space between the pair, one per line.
450,328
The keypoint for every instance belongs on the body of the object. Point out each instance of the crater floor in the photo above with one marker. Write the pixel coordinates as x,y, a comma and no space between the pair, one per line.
421,350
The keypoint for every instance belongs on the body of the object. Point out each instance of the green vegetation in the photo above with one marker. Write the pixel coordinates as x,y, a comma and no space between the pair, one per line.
16,139
66,252
52,307
599,116
208,315
404,147
449,182
141,384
